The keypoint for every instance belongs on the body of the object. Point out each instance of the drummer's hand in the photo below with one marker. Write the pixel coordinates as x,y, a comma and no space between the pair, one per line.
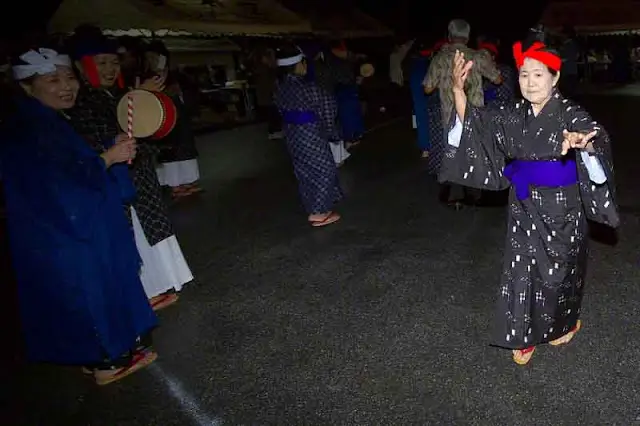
577,140
153,84
123,150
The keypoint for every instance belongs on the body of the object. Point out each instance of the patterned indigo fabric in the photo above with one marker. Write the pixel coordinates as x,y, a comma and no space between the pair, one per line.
510,88
340,70
506,91
436,133
94,117
308,144
545,256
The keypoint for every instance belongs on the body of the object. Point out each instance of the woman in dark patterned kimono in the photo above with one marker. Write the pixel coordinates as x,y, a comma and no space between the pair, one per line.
309,125
75,261
178,156
164,269
558,164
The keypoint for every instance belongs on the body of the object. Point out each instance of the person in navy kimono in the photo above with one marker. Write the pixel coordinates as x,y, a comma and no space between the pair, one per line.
309,125
73,252
419,67
340,64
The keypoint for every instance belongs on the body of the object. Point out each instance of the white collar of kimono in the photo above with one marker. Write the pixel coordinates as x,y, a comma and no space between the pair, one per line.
292,60
42,62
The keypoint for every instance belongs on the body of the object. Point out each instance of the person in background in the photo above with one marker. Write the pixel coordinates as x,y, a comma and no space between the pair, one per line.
434,115
340,65
178,159
439,77
73,252
419,65
265,76
505,91
398,54
131,54
308,114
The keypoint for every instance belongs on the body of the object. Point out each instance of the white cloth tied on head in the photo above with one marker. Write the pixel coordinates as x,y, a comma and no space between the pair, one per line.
291,60
42,62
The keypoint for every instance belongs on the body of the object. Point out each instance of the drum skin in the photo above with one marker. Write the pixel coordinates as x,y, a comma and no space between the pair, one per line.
367,70
154,114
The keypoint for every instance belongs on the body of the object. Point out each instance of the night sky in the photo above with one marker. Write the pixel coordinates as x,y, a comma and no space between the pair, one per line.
504,18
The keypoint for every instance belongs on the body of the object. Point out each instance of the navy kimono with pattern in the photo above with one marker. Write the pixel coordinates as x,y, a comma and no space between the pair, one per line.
308,143
545,255
94,117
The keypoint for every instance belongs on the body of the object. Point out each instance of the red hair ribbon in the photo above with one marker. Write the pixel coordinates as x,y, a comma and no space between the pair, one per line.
90,71
490,47
551,60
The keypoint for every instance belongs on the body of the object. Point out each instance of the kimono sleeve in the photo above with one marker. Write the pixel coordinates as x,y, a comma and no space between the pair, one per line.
598,198
326,108
76,187
475,156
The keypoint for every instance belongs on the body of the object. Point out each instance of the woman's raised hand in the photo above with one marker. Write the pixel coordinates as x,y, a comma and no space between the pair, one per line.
460,72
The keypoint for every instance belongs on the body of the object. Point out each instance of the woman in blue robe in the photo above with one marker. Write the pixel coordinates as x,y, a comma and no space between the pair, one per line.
75,260
309,125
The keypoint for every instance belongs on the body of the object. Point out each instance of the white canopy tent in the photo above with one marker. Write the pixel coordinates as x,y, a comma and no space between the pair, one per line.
179,18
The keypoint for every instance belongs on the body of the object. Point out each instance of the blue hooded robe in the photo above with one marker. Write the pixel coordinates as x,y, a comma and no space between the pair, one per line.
75,260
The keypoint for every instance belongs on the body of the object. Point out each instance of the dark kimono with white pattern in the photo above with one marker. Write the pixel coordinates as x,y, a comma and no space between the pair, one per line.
308,144
545,257
94,117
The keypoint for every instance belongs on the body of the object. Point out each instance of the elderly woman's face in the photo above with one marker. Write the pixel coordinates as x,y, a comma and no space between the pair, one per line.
536,81
108,65
57,90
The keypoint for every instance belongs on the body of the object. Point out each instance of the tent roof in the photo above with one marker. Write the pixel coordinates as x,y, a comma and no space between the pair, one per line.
593,16
332,22
180,17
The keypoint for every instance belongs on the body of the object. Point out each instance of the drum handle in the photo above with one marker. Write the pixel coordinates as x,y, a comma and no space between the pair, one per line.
129,119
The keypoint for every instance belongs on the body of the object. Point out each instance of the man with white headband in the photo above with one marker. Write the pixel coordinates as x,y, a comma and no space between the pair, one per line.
309,125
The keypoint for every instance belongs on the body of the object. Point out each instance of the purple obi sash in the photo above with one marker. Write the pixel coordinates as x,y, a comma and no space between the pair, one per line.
299,117
524,173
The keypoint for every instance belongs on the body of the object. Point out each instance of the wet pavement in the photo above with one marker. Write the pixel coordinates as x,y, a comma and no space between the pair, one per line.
382,318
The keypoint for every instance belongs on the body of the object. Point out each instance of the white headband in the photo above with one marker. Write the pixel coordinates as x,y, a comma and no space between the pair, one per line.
42,62
292,60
